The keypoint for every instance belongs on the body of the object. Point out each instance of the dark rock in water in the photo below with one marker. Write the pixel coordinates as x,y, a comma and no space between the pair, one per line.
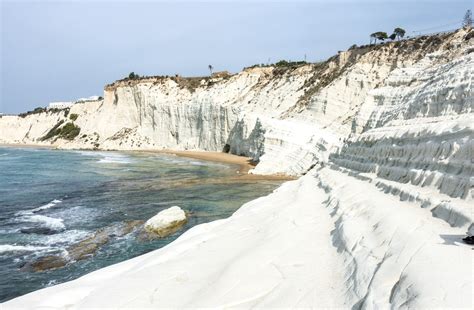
144,235
84,248
88,246
49,262
124,228
39,231
45,263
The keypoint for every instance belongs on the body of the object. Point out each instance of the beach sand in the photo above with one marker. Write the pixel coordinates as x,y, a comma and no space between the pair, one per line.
245,163
28,145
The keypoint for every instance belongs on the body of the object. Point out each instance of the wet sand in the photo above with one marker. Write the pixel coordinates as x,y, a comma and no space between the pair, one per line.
26,145
245,163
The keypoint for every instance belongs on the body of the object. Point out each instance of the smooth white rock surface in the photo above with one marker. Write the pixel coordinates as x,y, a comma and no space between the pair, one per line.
166,221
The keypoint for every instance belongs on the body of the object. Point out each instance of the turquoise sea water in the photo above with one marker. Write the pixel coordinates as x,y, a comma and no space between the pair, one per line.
51,199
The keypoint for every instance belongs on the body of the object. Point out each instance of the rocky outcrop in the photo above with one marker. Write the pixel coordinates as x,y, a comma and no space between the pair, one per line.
82,249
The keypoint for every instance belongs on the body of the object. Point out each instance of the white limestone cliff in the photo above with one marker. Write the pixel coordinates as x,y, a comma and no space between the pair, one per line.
384,137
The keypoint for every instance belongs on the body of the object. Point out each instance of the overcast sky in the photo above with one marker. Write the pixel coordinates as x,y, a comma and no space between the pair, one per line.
63,50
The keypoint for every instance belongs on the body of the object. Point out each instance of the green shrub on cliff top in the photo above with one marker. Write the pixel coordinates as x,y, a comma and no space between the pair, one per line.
35,111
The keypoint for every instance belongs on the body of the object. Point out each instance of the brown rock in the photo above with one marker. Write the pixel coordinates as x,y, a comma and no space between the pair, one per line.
46,263
84,248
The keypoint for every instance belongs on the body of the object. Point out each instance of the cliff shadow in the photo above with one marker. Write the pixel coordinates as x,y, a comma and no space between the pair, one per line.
241,144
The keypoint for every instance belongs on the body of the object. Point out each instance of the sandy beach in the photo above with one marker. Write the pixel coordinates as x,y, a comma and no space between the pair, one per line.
245,163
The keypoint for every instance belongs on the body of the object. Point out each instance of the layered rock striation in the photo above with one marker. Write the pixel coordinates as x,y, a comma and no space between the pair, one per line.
303,111
384,139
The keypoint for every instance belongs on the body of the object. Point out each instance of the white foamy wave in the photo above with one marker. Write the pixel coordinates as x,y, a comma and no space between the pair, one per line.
170,158
89,153
47,206
50,222
8,231
115,159
197,163
108,157
77,215
187,161
44,207
4,248
25,212
51,283
207,163
67,237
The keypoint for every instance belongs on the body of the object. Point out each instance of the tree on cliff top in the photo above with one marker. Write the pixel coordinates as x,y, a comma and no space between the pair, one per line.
379,35
399,32
372,38
133,76
210,68
467,20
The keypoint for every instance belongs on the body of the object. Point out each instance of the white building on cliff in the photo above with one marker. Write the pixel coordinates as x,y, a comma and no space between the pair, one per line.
89,99
68,104
60,105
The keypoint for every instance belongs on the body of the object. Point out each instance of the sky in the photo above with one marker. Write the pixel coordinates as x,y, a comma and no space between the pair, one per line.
64,50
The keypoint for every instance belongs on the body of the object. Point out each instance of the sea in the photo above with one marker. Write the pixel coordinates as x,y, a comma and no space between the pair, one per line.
51,200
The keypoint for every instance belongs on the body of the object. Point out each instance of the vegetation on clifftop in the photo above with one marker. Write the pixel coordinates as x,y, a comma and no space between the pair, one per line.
280,64
68,131
35,111
39,110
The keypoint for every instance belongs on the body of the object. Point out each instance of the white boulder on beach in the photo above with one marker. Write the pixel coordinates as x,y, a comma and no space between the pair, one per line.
166,222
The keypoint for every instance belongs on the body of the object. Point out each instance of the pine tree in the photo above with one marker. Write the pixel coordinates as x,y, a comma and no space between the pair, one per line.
399,32
467,20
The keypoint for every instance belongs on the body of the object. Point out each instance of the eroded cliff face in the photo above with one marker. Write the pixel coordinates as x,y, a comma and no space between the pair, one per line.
384,136
290,119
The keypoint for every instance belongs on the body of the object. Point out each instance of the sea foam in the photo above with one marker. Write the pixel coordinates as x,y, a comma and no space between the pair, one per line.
46,221
108,157
47,206
115,159
4,248
65,238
